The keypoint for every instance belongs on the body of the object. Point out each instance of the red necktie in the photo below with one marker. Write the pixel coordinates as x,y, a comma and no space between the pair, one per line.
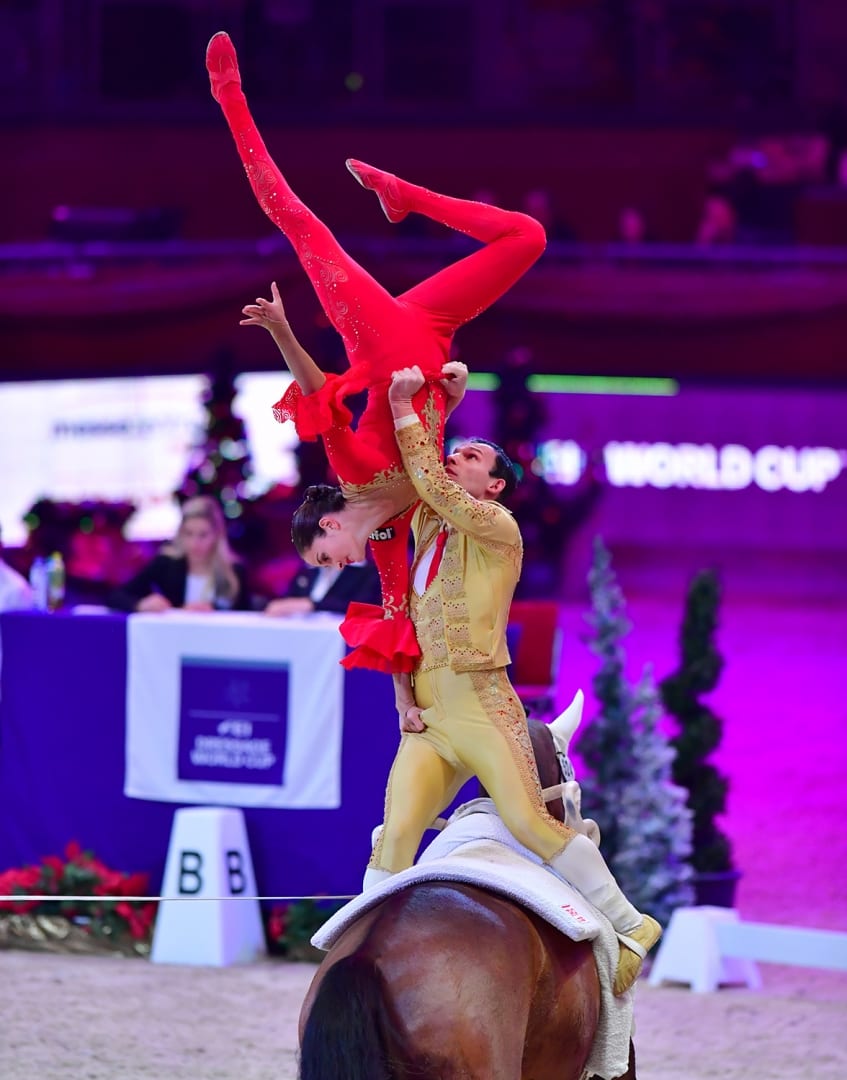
440,541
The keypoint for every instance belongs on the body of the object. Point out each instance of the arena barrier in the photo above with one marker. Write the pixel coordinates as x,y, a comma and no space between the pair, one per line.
708,947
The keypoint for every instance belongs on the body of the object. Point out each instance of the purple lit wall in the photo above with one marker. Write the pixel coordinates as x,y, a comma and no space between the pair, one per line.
737,476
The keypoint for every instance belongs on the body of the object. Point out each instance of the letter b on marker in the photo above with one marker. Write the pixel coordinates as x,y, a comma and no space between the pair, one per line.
235,871
190,878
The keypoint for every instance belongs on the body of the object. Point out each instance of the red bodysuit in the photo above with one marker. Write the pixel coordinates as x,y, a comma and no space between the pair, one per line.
381,333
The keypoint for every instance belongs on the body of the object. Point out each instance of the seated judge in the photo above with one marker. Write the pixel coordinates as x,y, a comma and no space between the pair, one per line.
196,571
326,588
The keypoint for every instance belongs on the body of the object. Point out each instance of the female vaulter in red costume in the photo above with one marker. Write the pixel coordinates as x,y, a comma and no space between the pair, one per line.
381,333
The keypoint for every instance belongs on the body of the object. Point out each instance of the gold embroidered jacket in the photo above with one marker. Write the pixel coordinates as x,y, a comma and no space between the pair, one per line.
461,619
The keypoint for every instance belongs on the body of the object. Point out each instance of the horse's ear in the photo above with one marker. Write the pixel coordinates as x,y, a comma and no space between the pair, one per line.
563,727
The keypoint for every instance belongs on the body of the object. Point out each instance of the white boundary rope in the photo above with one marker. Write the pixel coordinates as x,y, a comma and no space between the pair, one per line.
22,898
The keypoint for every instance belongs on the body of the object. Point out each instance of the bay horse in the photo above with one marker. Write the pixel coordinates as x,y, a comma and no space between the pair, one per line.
444,980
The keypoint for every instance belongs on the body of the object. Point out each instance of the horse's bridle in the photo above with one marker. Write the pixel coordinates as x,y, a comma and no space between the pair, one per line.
566,772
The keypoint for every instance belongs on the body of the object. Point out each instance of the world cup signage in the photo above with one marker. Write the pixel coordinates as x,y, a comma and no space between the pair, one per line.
704,466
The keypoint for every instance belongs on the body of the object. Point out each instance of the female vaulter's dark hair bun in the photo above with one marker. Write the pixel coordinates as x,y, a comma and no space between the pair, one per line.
319,492
318,499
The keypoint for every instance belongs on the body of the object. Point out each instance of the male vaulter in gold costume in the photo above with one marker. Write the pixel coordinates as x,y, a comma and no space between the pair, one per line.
461,717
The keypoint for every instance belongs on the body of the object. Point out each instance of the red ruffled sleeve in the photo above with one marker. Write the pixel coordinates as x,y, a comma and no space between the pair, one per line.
315,414
378,643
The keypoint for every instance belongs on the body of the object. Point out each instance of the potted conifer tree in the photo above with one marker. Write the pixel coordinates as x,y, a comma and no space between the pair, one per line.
699,734
644,823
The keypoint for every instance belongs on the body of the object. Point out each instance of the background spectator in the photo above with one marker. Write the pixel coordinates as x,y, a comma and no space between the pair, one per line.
327,588
717,221
196,571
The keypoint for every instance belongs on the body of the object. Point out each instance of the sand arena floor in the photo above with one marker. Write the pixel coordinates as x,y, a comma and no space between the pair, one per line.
106,1018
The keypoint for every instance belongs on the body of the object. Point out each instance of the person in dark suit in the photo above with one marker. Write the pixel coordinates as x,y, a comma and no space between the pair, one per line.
196,571
327,588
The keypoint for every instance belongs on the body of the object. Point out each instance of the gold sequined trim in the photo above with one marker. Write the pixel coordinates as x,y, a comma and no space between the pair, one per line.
509,552
393,477
428,618
433,420
457,619
503,707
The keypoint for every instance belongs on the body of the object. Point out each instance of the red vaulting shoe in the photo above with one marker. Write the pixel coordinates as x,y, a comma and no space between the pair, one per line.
222,64
384,184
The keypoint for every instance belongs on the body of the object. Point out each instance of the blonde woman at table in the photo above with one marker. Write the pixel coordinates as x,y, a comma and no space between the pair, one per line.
196,571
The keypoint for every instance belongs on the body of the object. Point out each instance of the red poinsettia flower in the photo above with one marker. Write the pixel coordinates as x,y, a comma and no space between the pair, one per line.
276,923
134,885
139,924
110,883
88,862
25,880
54,864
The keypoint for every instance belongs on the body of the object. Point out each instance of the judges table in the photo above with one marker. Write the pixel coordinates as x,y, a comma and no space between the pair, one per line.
66,762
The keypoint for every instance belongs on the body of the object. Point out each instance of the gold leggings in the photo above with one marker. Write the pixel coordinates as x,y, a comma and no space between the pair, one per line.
475,726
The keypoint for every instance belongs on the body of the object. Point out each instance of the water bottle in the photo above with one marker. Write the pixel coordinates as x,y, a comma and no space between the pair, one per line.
55,581
38,582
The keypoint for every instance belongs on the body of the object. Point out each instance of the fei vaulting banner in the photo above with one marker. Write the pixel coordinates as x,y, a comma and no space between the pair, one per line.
234,709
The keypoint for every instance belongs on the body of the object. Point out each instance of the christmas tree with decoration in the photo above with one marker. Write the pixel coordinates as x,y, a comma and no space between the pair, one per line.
220,464
644,823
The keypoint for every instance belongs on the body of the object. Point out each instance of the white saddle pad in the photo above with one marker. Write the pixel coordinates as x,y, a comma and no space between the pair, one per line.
476,848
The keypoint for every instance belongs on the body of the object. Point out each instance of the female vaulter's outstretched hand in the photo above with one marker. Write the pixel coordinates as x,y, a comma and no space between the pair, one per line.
266,313
271,315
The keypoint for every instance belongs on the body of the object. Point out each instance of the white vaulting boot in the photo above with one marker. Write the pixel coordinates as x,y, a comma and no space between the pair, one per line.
585,868
375,876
